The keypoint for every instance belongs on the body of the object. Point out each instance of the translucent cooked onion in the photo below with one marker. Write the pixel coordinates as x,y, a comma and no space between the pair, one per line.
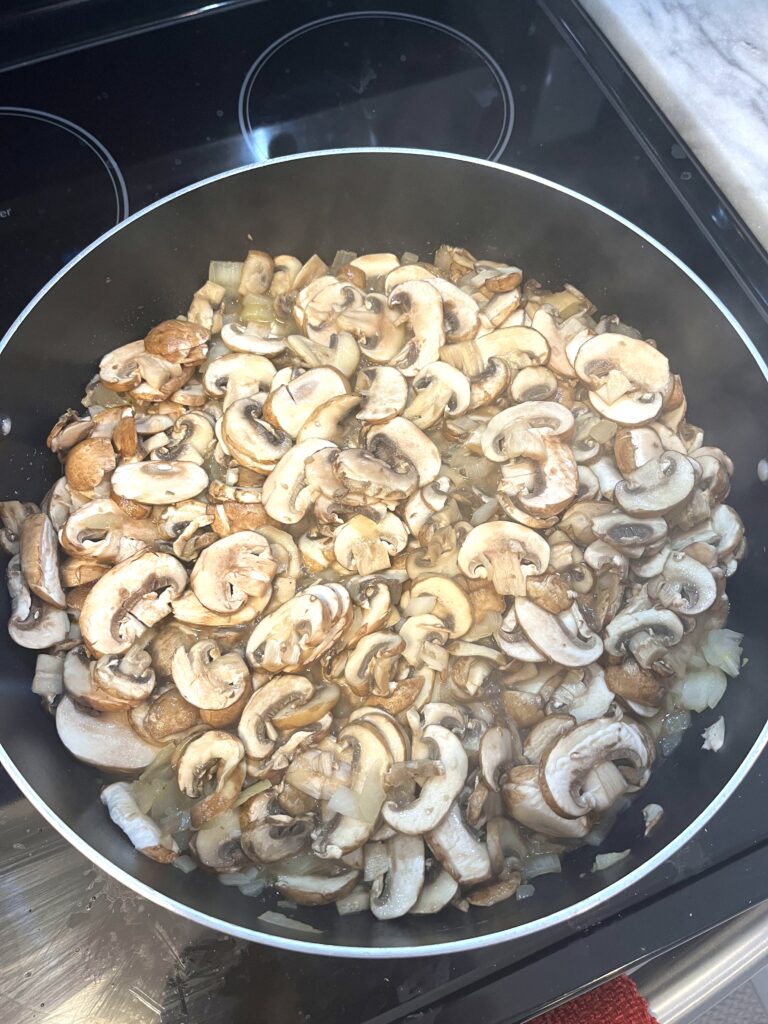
607,860
702,688
226,273
722,649
541,864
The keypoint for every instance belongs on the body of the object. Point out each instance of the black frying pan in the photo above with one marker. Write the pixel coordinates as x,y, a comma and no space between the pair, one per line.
146,270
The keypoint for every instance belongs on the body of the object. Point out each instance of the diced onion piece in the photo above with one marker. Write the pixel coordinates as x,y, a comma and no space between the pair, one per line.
421,605
722,649
702,688
345,802
525,891
714,736
227,274
607,860
652,815
185,864
49,675
541,864
257,308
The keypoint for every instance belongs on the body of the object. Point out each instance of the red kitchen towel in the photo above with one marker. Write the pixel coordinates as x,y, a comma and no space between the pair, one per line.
617,1002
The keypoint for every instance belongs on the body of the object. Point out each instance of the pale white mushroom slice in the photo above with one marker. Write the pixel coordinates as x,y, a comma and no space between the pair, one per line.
500,749
316,890
461,854
143,832
256,275
159,483
250,440
329,420
190,610
33,623
613,365
399,439
565,638
573,759
100,530
505,553
39,559
280,692
524,801
365,546
128,677
237,374
358,478
105,740
208,679
657,486
452,605
438,891
290,405
384,391
217,846
438,792
375,265
132,596
301,630
421,305
286,494
684,585
395,892
233,571
438,390
645,633
189,440
461,314
218,752
519,431
251,339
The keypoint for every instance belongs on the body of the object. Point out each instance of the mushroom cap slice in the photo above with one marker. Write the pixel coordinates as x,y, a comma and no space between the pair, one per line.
362,479
518,430
657,486
316,890
384,391
39,559
33,623
438,891
286,494
268,835
218,751
525,802
208,679
646,633
290,405
685,585
641,365
159,483
452,604
438,390
565,767
394,893
178,341
461,854
301,630
400,440
105,740
421,305
282,691
130,597
506,553
565,638
500,748
364,546
233,570
438,792
218,846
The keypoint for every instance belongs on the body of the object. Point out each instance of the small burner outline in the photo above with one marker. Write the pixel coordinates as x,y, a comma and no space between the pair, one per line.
502,82
97,147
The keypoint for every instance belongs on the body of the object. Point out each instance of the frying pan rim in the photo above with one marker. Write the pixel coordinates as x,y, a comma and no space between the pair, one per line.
568,913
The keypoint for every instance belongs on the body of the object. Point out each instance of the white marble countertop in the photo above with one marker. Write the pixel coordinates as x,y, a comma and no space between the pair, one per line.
705,63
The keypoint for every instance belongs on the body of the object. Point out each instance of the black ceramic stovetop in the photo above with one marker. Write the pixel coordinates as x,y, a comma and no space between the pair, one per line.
105,107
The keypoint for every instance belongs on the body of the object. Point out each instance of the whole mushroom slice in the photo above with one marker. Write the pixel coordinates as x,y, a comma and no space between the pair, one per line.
646,633
461,314
142,831
316,890
421,305
256,275
524,801
384,391
105,740
685,585
439,889
119,369
543,735
565,638
438,792
456,848
513,642
33,623
190,610
504,553
301,630
12,516
399,440
329,420
233,571
217,847
370,664
178,341
364,546
657,486
217,754
438,390
237,375
101,531
394,893
614,365
359,478
129,677
520,429
573,759
132,596
190,440
287,495
290,405
209,679
159,483
39,559
452,604
282,691
500,748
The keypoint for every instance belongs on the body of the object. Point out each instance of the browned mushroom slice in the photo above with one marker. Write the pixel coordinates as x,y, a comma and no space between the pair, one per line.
282,691
178,341
89,463
217,847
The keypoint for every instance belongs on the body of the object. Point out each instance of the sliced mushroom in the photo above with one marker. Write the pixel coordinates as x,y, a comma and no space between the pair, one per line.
646,633
399,440
684,585
104,740
460,853
39,559
33,623
267,834
208,679
438,891
520,430
159,483
500,748
89,463
178,341
233,571
565,638
438,792
290,405
421,306
384,391
395,892
282,691
256,275
505,553
217,847
438,390
525,802
214,753
364,546
316,890
132,596
129,677
633,683
301,630
657,486
286,494
567,773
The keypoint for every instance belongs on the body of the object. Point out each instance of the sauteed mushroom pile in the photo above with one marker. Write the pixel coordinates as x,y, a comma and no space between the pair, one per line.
385,581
